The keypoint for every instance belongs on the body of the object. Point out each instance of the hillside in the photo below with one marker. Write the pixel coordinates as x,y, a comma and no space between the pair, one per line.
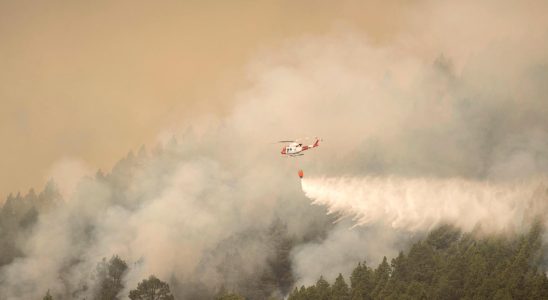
446,265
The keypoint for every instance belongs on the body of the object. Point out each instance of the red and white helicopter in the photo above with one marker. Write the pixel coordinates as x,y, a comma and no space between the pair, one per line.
295,148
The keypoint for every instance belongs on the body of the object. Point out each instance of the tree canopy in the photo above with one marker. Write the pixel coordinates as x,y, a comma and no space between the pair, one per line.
151,289
109,276
447,265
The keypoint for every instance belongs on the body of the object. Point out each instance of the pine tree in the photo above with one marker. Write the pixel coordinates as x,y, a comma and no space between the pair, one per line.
323,289
382,274
151,289
309,293
47,296
303,293
399,277
361,282
340,291
294,295
109,276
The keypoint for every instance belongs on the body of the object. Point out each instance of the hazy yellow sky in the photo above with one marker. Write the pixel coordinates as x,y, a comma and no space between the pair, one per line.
92,80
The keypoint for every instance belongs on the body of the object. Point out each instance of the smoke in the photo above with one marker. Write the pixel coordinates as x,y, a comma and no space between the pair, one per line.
67,173
344,247
163,214
444,99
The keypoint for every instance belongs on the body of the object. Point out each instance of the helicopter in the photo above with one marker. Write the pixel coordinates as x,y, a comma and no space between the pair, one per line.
294,148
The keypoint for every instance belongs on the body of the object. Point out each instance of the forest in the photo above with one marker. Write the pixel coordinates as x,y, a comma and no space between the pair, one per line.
447,264
21,216
444,264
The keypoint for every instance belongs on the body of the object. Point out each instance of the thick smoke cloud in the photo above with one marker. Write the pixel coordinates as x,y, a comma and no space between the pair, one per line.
166,216
444,100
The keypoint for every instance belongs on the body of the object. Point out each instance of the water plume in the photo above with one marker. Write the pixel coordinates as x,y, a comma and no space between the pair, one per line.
418,204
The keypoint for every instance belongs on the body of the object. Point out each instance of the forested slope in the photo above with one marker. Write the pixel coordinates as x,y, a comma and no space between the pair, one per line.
447,265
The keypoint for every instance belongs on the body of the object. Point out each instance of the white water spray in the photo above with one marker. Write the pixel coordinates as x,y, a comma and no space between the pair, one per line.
422,203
